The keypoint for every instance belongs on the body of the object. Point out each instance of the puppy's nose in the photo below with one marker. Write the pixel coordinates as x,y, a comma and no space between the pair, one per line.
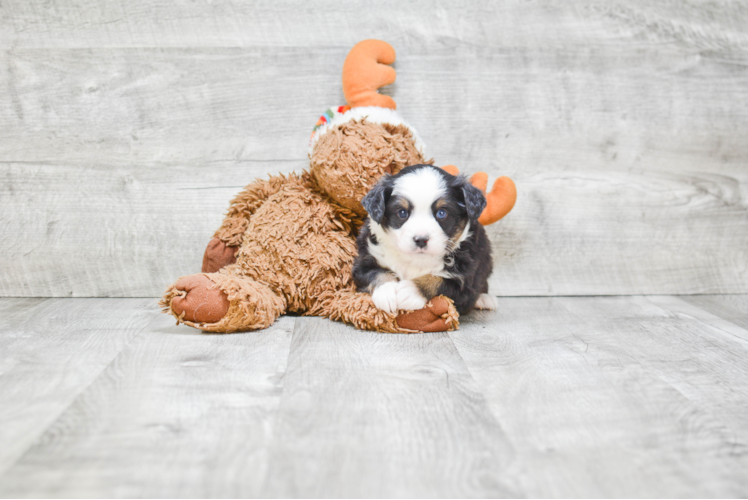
421,241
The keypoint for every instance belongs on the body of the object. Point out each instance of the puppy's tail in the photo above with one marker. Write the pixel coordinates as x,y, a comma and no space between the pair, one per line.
365,70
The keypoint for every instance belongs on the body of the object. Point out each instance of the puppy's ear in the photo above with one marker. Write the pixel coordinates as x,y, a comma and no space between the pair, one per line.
375,200
475,200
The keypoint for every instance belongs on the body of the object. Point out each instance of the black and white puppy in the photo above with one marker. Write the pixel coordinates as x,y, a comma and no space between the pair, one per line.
422,239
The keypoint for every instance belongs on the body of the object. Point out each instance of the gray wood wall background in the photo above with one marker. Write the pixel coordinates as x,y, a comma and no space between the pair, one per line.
126,127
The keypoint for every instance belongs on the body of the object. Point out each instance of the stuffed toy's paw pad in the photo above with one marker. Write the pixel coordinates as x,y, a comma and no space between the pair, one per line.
439,315
202,302
217,256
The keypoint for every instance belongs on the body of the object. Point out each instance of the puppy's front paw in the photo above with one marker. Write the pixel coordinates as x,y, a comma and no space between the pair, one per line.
486,301
409,297
385,297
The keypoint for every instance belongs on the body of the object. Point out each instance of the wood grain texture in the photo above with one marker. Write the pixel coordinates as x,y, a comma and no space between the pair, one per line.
377,415
110,231
102,231
733,327
624,397
177,414
51,350
622,123
221,23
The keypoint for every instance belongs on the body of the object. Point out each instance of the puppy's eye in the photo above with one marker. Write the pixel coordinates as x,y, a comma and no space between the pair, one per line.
441,214
402,213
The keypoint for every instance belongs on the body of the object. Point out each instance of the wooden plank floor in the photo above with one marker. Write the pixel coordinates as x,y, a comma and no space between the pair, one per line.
567,396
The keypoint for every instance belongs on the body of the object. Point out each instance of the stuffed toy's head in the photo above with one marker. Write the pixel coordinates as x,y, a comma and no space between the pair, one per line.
353,146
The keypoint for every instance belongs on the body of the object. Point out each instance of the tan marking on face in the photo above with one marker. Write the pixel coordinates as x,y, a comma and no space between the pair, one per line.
458,233
428,285
441,203
402,203
381,279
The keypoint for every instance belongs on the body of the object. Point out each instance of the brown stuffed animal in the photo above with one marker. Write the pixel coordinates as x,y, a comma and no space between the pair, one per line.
287,243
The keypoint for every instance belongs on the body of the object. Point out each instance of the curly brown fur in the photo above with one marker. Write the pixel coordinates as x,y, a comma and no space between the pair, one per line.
244,205
350,158
298,244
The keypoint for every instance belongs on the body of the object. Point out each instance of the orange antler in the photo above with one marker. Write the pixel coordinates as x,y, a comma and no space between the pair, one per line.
500,200
451,170
364,72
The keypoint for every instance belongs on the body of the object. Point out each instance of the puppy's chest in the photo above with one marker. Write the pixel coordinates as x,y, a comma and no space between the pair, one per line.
408,267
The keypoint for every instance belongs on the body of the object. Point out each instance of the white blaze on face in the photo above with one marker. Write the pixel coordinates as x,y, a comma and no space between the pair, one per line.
422,188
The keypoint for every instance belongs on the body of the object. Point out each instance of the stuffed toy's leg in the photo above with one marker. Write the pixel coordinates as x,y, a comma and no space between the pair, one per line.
222,302
221,250
359,310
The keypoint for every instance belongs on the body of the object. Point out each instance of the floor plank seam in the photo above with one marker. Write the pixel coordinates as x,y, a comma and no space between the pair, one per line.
702,322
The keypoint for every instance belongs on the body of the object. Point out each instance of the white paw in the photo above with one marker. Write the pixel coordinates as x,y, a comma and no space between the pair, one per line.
409,297
486,301
385,297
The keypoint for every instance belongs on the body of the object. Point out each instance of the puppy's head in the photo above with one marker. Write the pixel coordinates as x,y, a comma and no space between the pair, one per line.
423,209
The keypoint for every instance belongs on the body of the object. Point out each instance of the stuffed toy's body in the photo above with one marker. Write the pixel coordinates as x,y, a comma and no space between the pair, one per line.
288,244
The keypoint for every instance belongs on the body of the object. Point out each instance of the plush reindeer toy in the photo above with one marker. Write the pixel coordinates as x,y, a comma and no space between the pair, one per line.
287,244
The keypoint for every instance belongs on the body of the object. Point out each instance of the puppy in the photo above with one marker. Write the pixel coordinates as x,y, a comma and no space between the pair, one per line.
422,239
